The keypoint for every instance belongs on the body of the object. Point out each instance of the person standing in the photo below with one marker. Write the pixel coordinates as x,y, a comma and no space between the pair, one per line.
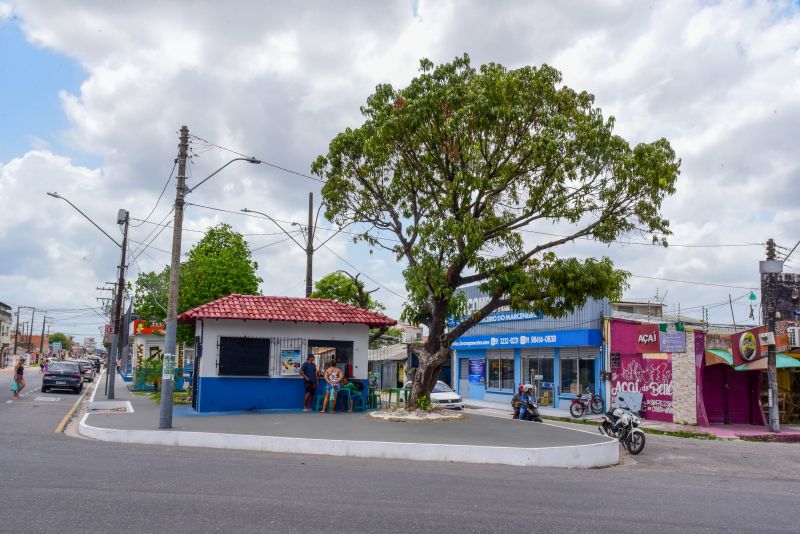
309,373
333,376
19,376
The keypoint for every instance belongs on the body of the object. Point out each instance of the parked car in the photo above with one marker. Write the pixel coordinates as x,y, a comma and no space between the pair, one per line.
443,396
87,370
63,375
97,362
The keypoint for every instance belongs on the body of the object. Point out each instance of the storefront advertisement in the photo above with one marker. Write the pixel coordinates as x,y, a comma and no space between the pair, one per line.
652,378
146,328
571,338
647,336
291,360
746,347
502,317
477,371
672,337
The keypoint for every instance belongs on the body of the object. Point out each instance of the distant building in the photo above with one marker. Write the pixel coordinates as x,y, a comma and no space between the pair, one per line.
411,333
639,307
6,322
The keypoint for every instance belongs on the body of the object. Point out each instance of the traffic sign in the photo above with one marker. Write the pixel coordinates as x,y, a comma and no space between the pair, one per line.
110,330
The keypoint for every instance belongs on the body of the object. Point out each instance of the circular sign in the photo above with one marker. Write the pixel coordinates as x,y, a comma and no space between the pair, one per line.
748,347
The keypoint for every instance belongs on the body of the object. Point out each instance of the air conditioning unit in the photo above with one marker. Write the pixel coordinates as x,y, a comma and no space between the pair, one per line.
794,336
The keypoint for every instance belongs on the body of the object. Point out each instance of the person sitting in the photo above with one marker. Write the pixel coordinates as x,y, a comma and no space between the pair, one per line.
524,399
515,402
352,387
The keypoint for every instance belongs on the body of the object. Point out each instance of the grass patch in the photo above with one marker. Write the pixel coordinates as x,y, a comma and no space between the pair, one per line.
179,398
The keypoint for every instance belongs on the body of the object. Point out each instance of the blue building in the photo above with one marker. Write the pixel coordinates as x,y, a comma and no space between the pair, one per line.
560,356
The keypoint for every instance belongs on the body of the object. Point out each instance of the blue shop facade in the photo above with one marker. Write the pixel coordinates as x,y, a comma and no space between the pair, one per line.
561,357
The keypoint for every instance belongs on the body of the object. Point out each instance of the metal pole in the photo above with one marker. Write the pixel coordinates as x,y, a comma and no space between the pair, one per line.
124,217
41,340
310,244
16,334
170,343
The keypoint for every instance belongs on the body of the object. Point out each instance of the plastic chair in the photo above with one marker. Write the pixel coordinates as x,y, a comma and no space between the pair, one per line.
358,403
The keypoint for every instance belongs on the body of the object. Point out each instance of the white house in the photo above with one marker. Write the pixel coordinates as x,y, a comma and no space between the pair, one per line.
250,348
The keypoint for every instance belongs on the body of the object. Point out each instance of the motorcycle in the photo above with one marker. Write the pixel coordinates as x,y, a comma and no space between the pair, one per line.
532,412
623,425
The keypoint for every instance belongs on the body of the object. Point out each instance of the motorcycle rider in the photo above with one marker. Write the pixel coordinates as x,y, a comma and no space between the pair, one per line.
525,396
516,402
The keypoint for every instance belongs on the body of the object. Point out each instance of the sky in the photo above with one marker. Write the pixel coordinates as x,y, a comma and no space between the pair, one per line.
92,95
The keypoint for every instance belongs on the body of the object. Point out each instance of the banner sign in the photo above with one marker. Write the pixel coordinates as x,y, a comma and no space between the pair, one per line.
502,317
56,346
745,346
477,371
564,338
672,337
647,339
145,328
291,360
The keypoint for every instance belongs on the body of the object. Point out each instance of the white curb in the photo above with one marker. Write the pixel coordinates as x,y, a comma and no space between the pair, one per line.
585,456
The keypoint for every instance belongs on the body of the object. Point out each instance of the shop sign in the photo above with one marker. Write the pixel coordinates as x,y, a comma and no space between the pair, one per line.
718,342
563,338
502,317
291,360
647,338
672,337
477,371
651,378
746,346
146,328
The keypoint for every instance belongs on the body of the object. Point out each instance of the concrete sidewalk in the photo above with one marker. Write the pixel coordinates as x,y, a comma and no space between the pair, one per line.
788,432
477,439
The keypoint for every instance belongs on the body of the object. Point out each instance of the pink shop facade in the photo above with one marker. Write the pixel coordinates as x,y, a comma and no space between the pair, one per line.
680,381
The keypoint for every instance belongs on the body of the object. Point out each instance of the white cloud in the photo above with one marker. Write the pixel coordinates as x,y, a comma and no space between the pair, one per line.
721,81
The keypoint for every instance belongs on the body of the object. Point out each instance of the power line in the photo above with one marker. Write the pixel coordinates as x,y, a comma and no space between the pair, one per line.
175,164
365,274
695,283
273,165
207,229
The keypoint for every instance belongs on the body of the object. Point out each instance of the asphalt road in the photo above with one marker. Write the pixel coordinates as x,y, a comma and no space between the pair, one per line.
53,482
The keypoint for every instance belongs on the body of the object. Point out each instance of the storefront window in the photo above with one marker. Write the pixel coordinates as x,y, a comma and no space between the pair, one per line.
501,372
577,375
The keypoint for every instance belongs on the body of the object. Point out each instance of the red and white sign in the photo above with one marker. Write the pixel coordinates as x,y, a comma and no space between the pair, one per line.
647,339
110,330
145,328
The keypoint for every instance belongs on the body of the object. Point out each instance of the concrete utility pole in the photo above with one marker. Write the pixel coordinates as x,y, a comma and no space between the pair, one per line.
123,217
41,340
16,333
310,245
30,331
171,339
772,373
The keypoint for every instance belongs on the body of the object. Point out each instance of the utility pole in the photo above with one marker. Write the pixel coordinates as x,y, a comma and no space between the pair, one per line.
30,330
123,217
772,373
171,337
41,340
16,334
310,244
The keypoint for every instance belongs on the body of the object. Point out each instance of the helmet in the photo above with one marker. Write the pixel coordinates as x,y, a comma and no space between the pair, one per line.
527,388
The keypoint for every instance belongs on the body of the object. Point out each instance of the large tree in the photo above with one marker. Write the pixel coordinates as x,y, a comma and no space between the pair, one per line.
216,266
457,166
58,337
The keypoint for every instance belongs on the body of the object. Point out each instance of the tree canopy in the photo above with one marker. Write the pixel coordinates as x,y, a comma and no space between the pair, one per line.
58,337
463,165
346,288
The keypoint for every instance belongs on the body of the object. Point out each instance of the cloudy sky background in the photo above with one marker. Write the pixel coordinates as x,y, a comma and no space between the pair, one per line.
93,94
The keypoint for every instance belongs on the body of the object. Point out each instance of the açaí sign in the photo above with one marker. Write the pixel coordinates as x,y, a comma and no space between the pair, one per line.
647,339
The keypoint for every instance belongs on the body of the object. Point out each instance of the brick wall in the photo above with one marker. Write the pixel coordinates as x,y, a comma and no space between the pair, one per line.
684,384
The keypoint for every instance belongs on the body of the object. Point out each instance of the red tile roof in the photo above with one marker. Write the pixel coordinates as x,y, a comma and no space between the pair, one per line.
293,309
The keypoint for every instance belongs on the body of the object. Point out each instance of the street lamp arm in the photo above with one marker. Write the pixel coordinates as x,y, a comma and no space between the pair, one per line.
204,180
245,210
56,195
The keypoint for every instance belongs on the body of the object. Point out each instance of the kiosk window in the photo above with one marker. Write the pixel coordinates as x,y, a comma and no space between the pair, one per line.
243,356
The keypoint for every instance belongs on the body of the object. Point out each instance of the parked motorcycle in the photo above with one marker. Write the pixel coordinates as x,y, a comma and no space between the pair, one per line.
623,425
532,412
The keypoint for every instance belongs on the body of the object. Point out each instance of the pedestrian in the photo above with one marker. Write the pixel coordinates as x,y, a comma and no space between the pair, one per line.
19,377
352,387
333,376
309,373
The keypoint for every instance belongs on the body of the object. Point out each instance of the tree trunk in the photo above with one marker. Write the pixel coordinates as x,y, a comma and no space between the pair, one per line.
427,373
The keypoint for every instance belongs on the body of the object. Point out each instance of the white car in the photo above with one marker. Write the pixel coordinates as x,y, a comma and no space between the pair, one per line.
444,397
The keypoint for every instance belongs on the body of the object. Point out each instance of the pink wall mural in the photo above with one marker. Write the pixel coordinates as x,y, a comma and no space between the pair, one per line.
653,378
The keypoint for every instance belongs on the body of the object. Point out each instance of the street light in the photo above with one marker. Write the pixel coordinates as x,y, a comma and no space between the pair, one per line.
123,218
171,341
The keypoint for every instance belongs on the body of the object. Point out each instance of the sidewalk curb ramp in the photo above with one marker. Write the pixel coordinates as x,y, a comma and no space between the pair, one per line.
601,454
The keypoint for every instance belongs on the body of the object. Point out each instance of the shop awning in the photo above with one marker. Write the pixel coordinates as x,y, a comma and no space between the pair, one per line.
717,356
782,362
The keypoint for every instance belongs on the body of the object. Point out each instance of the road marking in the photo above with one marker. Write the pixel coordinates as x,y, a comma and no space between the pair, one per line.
48,399
65,420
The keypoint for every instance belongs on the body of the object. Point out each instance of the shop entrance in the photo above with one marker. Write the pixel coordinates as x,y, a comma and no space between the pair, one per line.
339,351
538,369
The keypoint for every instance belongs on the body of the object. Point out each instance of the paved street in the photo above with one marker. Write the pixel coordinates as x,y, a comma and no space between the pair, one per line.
675,485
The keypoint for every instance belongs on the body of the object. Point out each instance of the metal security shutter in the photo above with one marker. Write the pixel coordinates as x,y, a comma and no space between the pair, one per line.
589,352
463,369
500,353
568,352
537,353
